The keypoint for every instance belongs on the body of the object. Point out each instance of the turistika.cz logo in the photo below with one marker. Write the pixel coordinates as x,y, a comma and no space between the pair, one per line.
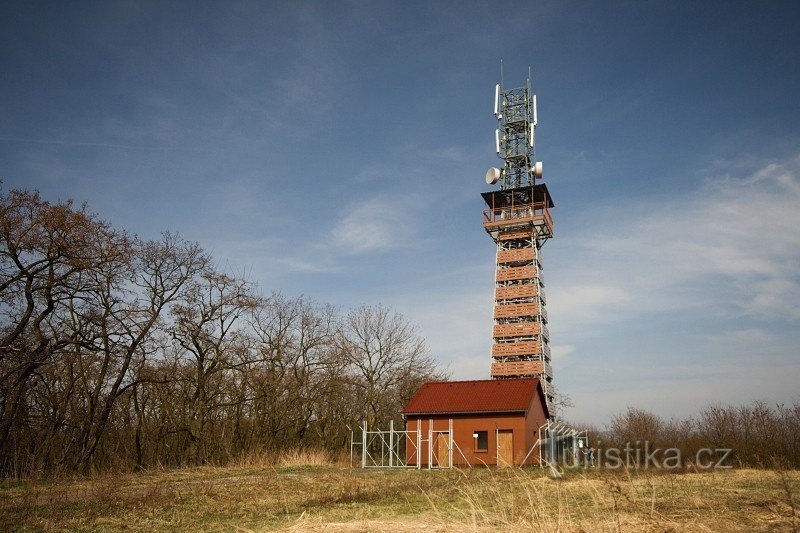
641,455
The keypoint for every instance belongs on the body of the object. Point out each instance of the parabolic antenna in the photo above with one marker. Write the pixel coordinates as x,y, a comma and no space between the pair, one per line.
492,176
537,170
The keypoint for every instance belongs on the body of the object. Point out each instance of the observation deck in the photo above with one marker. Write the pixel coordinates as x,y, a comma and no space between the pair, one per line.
511,213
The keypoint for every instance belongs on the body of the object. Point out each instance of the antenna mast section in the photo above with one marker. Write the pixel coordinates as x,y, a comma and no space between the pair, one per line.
515,137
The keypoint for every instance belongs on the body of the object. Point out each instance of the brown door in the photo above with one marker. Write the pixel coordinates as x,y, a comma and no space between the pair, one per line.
443,450
505,448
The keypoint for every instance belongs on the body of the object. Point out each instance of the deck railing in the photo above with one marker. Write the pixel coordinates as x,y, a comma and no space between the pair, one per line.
518,213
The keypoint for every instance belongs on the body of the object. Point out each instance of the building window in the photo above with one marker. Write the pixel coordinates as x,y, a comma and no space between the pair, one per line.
481,439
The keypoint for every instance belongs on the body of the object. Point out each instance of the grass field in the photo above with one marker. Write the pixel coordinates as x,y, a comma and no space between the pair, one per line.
332,498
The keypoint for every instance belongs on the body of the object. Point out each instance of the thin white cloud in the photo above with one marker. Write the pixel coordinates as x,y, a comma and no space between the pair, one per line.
378,224
588,303
456,322
731,248
560,351
747,336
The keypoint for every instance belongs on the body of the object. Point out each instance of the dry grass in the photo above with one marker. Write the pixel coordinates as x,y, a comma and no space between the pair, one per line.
304,457
300,497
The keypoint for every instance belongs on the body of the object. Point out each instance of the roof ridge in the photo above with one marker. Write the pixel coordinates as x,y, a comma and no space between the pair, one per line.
479,380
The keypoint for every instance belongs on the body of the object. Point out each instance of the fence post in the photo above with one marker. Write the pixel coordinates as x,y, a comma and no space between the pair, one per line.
391,443
364,444
419,443
351,446
430,442
450,444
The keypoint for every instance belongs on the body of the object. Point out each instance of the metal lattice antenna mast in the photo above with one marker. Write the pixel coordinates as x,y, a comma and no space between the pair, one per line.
515,136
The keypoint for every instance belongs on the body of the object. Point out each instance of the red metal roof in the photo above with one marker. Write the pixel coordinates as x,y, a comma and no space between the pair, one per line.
484,396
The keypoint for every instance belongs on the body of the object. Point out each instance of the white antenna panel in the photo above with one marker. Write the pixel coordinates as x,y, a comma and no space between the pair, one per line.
496,98
497,141
532,126
535,112
537,170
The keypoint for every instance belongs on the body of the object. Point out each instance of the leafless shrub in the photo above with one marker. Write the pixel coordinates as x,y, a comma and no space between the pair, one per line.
758,434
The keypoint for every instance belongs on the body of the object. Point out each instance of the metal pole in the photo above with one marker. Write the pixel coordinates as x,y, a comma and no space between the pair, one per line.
541,465
351,446
419,443
450,444
364,444
497,446
430,442
535,445
391,443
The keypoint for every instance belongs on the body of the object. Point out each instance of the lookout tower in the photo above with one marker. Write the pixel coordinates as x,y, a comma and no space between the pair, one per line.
517,218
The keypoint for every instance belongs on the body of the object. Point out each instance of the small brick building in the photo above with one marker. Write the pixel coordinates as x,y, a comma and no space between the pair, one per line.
488,422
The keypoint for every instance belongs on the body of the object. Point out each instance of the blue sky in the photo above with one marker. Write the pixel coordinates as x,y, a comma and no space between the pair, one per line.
337,150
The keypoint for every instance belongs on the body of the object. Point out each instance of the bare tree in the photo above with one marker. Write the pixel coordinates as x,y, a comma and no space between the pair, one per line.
129,305
46,253
296,341
561,402
205,321
388,358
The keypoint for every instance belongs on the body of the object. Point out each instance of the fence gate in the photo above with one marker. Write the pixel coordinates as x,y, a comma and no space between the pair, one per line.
404,448
386,448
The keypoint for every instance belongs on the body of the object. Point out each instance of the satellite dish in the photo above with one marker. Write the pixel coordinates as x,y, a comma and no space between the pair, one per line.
537,169
492,176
